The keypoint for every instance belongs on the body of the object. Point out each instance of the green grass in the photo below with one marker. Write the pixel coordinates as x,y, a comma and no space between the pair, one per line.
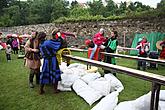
16,95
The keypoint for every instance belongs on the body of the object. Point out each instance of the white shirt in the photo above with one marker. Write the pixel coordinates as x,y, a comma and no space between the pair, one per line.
8,50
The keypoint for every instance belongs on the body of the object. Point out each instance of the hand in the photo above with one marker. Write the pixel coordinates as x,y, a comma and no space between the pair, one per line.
102,47
35,50
30,50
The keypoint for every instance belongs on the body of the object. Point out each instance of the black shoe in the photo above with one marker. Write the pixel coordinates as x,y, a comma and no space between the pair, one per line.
41,92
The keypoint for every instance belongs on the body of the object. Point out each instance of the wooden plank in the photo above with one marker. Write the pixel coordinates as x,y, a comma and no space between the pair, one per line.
78,50
132,72
136,58
125,48
124,56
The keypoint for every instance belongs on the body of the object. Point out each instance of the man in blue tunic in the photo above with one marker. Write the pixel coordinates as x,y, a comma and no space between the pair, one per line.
51,73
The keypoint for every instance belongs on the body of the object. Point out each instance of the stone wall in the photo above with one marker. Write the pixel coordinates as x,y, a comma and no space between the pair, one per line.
86,30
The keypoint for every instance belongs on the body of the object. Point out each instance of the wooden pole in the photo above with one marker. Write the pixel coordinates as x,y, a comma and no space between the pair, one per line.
155,96
124,42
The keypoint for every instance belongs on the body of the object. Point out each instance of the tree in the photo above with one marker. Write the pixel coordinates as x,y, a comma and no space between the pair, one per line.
122,8
24,11
74,4
79,11
3,4
60,9
140,7
12,15
96,8
161,4
35,12
132,6
110,8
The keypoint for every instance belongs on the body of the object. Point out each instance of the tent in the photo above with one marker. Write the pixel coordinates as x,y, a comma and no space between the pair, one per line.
151,37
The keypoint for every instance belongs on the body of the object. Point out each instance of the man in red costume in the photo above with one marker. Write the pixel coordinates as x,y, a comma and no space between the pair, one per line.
98,40
143,47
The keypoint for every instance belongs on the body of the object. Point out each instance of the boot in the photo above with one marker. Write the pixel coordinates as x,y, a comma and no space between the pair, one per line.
41,89
138,68
37,78
31,75
55,88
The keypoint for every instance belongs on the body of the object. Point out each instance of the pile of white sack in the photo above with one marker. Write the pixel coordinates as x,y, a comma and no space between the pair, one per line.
91,86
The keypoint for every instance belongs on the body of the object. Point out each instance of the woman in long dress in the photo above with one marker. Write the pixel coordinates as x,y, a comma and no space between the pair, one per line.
51,73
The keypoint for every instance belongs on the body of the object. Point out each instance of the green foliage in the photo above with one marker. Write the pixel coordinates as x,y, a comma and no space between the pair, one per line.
41,11
96,8
3,4
12,15
5,20
74,4
110,8
79,18
79,11
59,9
161,4
14,12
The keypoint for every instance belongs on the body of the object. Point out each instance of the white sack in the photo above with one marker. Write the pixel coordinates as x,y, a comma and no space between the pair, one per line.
162,105
76,71
62,88
86,92
68,79
79,86
108,103
77,65
162,95
116,85
90,77
63,66
162,99
101,85
141,103
90,95
127,105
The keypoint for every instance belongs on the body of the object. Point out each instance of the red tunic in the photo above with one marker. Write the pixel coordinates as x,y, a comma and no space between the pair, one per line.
162,53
